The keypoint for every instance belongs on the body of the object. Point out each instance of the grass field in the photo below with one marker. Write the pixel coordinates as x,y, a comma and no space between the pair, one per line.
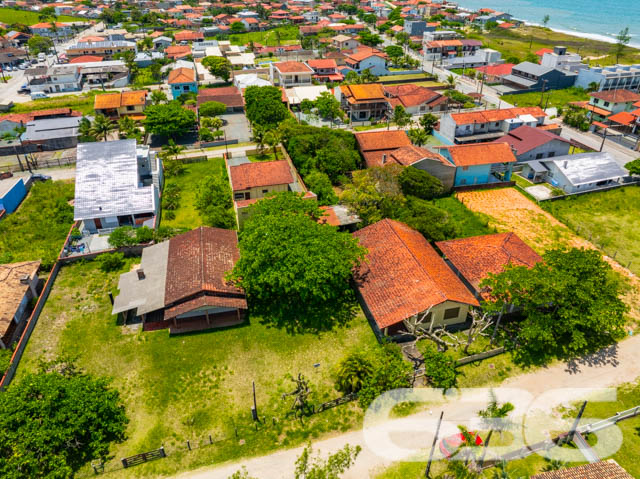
611,218
468,222
520,41
288,36
11,16
409,76
186,387
186,215
83,102
38,228
553,98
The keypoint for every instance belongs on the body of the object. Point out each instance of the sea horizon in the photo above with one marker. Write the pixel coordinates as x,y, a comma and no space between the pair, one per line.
592,19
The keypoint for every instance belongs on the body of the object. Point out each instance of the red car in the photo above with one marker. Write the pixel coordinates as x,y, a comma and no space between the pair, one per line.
450,445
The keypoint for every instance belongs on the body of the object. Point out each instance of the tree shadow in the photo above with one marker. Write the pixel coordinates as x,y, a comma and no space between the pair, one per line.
607,356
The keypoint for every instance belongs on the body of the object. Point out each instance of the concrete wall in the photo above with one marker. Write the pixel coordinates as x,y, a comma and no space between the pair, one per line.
262,191
548,150
446,174
472,175
12,198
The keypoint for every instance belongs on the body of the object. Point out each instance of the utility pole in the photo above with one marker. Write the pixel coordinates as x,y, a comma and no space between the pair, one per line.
604,137
433,446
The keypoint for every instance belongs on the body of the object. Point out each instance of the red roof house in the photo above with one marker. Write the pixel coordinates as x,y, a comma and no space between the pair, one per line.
376,146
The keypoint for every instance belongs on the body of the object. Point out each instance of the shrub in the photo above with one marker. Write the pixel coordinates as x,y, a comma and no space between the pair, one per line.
205,134
173,167
390,371
352,372
419,183
439,368
111,262
171,197
144,234
320,184
212,108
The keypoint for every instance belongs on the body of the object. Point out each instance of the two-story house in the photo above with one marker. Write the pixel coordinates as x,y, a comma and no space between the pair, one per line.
530,143
562,60
45,29
344,42
126,103
363,102
488,125
480,163
325,70
288,74
527,76
603,104
182,80
614,77
59,78
117,184
366,58
106,49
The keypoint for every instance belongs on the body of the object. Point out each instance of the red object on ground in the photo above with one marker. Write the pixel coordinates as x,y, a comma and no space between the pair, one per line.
449,445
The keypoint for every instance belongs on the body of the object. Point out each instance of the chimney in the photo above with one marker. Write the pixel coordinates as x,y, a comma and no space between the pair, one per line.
384,158
24,279
140,274
565,164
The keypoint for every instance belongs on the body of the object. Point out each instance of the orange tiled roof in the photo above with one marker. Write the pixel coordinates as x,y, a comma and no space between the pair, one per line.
368,91
616,96
86,59
182,75
116,100
622,118
106,101
495,115
292,67
403,275
264,173
481,154
597,470
408,155
382,140
476,257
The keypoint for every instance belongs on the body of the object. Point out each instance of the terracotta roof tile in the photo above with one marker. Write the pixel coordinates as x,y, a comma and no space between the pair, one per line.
230,96
616,96
292,67
12,290
86,59
182,75
382,140
403,275
496,115
476,257
366,92
202,301
264,173
322,63
198,261
526,138
408,155
622,118
597,470
116,100
481,154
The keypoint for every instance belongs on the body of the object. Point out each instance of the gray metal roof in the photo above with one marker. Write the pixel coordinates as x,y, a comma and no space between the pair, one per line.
532,68
519,80
587,168
536,166
107,181
47,129
144,295
105,44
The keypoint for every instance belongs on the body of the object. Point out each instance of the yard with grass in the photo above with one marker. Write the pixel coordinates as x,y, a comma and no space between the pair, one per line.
408,76
11,16
610,218
529,39
186,216
38,228
552,98
81,102
179,388
468,222
285,35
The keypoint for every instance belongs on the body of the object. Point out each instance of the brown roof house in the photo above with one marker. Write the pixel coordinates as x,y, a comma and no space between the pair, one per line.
180,284
597,470
475,257
126,103
376,146
18,283
230,96
404,277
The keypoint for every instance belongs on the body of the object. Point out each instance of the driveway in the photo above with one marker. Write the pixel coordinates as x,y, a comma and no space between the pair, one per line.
539,192
236,127
608,368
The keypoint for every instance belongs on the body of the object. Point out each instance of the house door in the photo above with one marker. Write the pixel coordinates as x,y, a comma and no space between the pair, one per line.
98,223
247,196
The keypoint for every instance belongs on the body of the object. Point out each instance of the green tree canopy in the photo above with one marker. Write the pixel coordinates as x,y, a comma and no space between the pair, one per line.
56,420
633,166
213,202
388,370
428,121
264,106
237,27
218,66
570,301
320,184
169,120
294,270
38,44
212,108
440,368
328,106
419,183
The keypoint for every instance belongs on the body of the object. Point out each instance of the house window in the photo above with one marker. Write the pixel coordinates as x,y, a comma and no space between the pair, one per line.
497,123
185,87
264,192
465,168
468,127
363,114
451,313
539,155
238,196
130,108
606,103
552,154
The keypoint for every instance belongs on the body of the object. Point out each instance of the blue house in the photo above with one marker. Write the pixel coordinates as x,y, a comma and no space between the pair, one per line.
12,192
480,163
182,80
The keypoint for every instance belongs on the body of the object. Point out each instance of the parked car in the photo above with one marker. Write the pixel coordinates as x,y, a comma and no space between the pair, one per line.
40,177
449,445
38,95
24,90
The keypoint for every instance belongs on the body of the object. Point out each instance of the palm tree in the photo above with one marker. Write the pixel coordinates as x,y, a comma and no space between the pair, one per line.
102,126
171,150
451,81
494,415
273,139
125,126
158,96
259,133
418,136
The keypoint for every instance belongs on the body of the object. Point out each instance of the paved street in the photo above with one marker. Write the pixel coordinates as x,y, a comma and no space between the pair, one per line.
608,368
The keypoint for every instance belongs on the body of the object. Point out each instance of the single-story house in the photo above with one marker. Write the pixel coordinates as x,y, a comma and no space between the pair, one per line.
180,283
18,286
576,173
404,277
117,184
608,469
480,163
415,99
51,134
530,143
230,96
126,103
376,146
12,192
474,258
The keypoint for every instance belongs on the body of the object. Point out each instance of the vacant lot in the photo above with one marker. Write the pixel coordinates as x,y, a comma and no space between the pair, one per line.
509,210
610,218
186,215
11,16
81,102
186,387
38,228
553,98
286,35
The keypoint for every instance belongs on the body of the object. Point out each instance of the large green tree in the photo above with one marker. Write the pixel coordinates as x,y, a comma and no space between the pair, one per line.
295,271
419,183
570,301
56,420
264,106
218,66
213,202
169,120
38,44
320,184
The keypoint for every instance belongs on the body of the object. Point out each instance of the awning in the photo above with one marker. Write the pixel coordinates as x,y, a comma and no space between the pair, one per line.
597,111
600,125
623,118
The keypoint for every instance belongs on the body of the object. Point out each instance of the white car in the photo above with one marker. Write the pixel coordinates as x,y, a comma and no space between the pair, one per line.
39,95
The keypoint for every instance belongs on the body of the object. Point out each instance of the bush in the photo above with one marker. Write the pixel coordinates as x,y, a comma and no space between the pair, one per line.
352,372
419,183
212,108
122,236
440,369
144,234
320,184
110,262
390,371
171,197
205,134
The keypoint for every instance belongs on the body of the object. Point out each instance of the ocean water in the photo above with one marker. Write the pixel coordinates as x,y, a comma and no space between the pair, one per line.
599,19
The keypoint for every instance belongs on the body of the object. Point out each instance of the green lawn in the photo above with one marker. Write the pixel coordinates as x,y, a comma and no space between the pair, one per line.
288,36
186,215
81,102
11,16
520,41
38,228
186,387
408,76
467,222
557,98
612,217
265,156
521,181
